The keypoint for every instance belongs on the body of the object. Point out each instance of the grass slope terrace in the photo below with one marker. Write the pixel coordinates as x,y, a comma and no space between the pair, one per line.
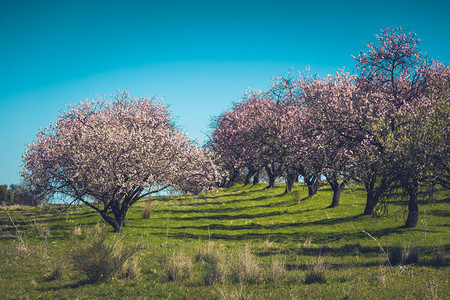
284,242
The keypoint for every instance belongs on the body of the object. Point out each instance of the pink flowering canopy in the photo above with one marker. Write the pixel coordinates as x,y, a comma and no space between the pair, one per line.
115,151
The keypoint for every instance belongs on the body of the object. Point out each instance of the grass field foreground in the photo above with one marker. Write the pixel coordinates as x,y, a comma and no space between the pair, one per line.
237,243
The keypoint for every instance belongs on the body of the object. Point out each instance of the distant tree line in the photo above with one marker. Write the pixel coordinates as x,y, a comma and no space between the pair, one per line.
21,194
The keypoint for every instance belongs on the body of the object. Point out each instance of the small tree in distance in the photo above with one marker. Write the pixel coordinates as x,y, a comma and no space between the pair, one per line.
108,154
6,195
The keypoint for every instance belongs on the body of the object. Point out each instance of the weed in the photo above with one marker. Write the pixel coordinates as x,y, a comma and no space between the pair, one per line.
316,272
432,290
205,254
56,272
410,255
246,268
395,256
178,266
296,197
381,275
99,227
276,270
268,244
325,249
76,231
404,256
148,209
20,237
41,229
382,249
215,270
438,258
307,243
131,269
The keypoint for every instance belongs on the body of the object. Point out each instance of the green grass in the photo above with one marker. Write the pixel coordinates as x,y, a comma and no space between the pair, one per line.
268,221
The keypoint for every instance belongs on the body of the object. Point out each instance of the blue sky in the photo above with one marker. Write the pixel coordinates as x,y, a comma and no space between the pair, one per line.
197,55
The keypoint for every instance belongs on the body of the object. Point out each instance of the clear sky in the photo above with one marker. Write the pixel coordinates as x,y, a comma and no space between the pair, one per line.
199,56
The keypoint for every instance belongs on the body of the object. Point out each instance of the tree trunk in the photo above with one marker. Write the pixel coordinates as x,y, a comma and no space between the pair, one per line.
112,221
251,173
312,182
413,209
291,178
247,179
289,184
336,197
371,199
374,193
233,176
371,203
337,189
256,178
271,178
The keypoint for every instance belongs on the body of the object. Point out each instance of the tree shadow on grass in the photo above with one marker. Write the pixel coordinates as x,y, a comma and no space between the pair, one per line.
219,207
439,213
75,285
258,233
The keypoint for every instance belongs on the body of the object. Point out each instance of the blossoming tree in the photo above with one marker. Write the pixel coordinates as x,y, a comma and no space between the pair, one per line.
109,153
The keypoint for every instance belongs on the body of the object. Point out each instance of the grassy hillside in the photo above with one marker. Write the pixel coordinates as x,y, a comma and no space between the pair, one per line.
265,245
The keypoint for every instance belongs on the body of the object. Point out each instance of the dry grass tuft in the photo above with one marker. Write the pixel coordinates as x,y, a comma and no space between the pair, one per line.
148,209
178,266
99,227
307,243
131,269
76,231
268,244
246,268
41,229
56,272
316,272
276,271
101,259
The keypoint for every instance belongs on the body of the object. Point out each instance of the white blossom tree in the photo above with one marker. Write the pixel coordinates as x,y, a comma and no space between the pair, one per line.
108,154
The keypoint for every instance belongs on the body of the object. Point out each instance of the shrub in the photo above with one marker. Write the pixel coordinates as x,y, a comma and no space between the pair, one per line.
6,195
101,259
316,272
148,209
178,266
246,268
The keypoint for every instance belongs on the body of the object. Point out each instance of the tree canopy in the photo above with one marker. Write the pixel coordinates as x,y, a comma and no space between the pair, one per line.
109,153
